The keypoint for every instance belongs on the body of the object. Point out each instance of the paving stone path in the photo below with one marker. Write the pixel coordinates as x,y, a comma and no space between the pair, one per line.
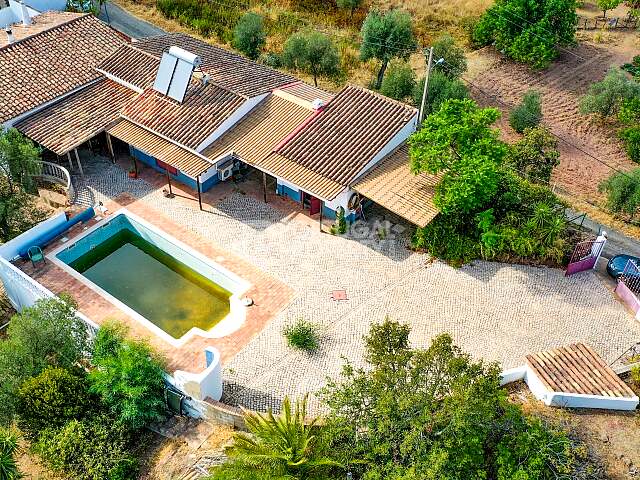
494,311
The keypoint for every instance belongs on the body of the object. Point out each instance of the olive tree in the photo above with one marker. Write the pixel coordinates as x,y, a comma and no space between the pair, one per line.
249,35
386,36
311,52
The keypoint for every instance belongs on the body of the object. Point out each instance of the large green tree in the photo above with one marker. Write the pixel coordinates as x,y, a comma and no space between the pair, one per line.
19,210
528,31
19,159
623,193
435,414
46,334
386,36
535,155
311,52
459,143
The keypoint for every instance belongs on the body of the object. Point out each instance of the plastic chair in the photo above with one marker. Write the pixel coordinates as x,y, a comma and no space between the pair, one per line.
36,255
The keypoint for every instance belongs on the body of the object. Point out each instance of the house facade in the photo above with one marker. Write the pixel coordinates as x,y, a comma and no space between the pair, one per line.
198,113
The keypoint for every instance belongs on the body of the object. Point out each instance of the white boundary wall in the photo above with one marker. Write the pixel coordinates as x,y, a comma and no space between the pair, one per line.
566,400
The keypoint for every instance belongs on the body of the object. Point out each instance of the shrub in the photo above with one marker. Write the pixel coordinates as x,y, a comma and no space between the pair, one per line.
129,378
441,88
399,82
623,193
635,375
605,98
528,114
249,35
629,113
302,335
48,333
51,399
8,449
631,138
455,62
350,5
91,449
270,59
311,52
605,5
535,156
528,32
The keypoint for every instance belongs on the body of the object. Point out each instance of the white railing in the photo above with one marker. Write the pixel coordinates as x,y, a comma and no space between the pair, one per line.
52,172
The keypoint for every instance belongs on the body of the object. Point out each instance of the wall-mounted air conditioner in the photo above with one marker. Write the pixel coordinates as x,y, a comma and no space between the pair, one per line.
225,170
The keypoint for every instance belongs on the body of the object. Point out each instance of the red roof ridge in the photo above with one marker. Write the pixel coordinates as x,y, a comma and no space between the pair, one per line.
41,32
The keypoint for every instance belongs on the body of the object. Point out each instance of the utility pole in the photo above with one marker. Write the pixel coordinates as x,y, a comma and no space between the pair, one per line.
426,87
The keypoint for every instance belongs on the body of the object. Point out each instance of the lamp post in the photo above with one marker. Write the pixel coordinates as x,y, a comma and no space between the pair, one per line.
430,65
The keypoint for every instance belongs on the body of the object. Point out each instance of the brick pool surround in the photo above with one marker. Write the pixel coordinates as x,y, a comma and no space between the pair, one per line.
269,295
231,323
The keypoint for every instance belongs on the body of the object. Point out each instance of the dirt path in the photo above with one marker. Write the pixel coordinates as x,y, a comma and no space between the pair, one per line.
561,86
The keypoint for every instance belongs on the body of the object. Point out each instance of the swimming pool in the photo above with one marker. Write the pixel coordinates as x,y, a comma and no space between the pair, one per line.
172,289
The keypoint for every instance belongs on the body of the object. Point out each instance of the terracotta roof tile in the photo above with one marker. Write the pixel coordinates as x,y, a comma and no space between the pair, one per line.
392,184
205,108
307,92
187,162
259,132
40,23
577,369
226,69
54,62
73,120
131,65
348,133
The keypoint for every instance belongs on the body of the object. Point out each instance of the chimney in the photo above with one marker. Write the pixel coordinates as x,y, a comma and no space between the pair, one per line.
317,104
10,37
26,17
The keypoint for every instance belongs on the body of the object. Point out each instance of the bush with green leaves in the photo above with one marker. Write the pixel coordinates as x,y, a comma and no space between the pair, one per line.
311,52
606,98
528,114
47,334
623,193
51,399
96,448
386,36
455,61
274,447
629,113
631,139
605,5
535,155
20,159
441,88
436,414
128,377
249,36
399,82
19,210
8,449
527,32
350,5
302,335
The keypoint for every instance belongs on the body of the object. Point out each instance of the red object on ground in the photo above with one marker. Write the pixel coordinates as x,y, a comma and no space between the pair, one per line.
338,295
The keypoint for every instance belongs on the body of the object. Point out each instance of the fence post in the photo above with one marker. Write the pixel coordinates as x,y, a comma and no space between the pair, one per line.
600,242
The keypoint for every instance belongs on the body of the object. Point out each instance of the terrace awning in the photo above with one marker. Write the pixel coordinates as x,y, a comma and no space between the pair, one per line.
392,185
180,158
70,122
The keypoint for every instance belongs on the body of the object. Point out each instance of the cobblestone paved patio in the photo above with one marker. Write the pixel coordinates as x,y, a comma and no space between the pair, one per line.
495,311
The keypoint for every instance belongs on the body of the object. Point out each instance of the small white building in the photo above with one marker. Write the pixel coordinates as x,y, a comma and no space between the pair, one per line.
574,377
21,12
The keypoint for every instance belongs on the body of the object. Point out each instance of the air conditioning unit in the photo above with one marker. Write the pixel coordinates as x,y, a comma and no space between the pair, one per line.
225,170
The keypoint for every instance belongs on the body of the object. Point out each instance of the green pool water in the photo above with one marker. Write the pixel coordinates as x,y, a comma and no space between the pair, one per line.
153,283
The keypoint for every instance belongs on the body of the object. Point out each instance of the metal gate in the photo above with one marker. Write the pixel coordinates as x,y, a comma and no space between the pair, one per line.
585,255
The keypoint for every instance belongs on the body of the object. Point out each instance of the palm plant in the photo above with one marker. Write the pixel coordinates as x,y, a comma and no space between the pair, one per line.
8,448
277,447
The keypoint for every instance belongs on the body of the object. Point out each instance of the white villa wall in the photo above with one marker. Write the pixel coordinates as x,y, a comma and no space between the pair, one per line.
238,115
13,13
45,5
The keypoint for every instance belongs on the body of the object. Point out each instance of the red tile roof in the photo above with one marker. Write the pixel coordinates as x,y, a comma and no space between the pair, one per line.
347,134
132,66
227,69
45,66
204,108
73,120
